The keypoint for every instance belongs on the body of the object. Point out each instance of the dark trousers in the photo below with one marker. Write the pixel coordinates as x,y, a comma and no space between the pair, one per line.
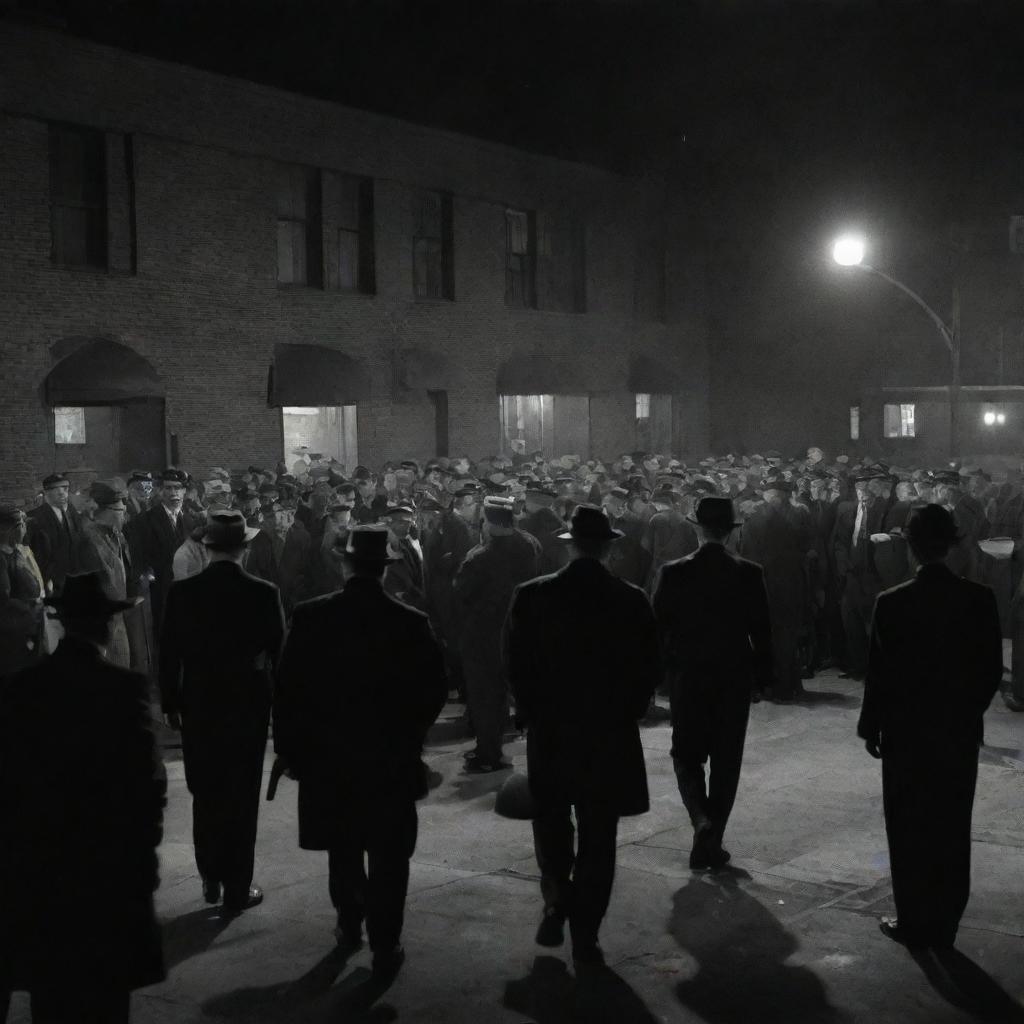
928,803
224,772
77,1007
576,877
856,607
368,871
709,727
487,697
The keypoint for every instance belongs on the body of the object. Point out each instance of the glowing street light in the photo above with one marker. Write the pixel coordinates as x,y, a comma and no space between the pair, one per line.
990,418
1000,418
848,251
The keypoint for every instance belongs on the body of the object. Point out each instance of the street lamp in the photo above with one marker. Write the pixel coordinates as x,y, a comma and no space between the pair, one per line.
849,251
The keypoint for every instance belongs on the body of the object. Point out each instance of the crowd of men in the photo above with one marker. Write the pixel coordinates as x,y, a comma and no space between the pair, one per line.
504,581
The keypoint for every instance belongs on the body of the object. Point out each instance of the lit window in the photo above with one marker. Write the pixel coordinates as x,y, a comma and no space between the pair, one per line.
643,407
68,425
854,422
654,423
899,421
329,430
553,424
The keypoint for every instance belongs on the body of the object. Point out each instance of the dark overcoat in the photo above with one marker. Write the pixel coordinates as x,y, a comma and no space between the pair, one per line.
21,614
219,647
543,524
444,551
361,681
581,652
54,543
153,541
81,800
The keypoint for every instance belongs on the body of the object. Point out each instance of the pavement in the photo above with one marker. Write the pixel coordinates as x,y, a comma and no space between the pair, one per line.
788,934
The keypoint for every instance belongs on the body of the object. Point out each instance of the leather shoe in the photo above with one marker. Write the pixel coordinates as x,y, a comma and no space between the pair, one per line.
211,891
551,931
387,964
890,928
703,847
1013,703
232,909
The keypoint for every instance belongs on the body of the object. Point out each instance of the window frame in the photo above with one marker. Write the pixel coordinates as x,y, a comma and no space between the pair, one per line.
95,237
903,420
311,222
526,271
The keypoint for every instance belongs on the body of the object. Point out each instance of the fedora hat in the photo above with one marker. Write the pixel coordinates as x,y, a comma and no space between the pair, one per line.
85,596
227,529
589,522
714,512
933,526
366,543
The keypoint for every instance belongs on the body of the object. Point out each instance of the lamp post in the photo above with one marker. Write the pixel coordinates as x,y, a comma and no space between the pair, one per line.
848,251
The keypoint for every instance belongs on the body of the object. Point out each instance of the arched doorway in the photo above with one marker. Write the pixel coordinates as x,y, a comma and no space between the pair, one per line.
107,405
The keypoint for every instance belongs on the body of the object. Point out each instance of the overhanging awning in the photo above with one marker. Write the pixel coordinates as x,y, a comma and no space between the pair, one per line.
536,375
650,376
101,372
311,375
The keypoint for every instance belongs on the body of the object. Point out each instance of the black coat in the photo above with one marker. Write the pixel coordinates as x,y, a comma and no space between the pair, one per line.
54,544
713,620
81,800
581,652
361,681
543,524
221,638
936,661
859,558
444,551
153,541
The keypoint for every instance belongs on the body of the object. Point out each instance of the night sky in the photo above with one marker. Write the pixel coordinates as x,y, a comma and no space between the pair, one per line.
784,121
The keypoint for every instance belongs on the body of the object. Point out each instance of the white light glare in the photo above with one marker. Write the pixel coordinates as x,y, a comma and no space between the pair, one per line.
848,251
1000,418
990,418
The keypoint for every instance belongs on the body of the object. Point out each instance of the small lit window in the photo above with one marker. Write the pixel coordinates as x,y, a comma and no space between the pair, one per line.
899,421
643,407
68,425
854,422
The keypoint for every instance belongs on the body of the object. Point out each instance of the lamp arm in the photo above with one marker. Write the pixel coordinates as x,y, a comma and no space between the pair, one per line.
947,334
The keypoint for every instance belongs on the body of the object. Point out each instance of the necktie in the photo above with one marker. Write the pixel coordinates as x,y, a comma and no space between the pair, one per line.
859,523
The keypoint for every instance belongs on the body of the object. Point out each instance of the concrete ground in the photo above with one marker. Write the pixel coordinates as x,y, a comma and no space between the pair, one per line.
790,935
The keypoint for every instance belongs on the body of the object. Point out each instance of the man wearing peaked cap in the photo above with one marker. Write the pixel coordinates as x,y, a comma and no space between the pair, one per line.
715,627
222,634
54,531
483,587
579,698
542,522
404,577
352,734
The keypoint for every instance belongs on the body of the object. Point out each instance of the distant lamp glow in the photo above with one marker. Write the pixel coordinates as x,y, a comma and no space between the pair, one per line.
990,418
1000,418
848,251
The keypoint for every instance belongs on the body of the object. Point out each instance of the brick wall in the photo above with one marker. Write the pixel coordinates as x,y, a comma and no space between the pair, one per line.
203,306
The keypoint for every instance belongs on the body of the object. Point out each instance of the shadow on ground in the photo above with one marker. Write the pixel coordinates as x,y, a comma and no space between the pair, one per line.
550,995
741,950
963,984
827,697
191,934
313,998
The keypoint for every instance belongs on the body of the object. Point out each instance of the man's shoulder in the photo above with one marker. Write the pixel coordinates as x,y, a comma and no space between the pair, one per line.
315,607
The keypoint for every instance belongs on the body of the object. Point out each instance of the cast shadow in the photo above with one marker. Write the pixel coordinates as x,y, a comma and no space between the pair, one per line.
312,998
597,995
741,950
965,985
472,787
190,934
812,697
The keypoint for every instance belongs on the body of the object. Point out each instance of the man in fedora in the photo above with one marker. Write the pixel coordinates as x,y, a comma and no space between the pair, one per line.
102,548
81,798
715,630
483,588
219,647
351,730
579,699
935,664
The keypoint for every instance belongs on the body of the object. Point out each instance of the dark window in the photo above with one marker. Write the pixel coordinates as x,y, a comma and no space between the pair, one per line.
521,258
78,196
561,262
439,400
299,229
432,264
356,271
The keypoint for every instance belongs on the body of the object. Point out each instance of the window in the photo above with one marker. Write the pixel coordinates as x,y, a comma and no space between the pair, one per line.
299,230
520,259
899,421
854,422
654,423
561,263
553,424
432,243
78,196
68,425
355,267
330,430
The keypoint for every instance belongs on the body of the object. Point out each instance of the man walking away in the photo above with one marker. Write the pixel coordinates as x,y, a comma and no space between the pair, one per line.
579,698
352,730
715,628
221,638
935,664
81,801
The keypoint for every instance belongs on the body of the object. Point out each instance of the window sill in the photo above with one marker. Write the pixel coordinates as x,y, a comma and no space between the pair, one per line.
83,268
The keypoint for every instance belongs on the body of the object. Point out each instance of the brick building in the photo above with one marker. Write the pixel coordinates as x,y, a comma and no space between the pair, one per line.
200,269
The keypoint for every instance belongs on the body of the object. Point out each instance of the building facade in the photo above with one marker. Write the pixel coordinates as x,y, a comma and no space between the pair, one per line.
206,271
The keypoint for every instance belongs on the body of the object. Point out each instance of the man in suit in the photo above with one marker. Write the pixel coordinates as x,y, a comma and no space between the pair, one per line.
936,662
352,731
579,698
483,587
219,647
81,798
156,535
542,522
54,531
857,577
715,629
404,576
